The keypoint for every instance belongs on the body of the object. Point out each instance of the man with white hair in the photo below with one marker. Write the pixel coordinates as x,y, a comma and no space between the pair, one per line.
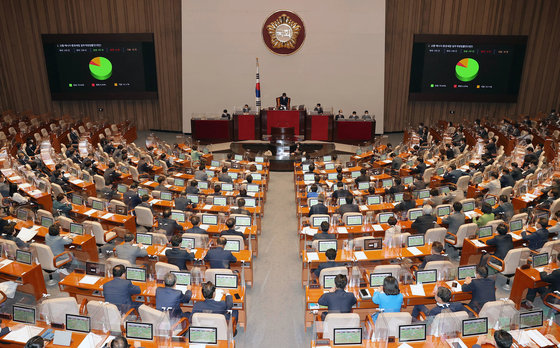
424,222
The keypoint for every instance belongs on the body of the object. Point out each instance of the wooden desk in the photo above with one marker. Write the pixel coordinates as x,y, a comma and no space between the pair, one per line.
126,221
529,278
29,277
250,233
42,198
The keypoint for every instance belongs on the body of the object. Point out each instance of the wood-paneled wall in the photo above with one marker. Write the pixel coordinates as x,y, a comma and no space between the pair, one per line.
23,78
540,84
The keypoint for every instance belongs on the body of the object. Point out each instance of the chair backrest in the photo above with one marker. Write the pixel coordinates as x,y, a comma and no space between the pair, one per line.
514,258
339,321
99,182
133,172
210,273
413,210
44,255
395,270
162,268
495,310
200,240
555,206
55,309
236,238
332,271
144,216
494,224
56,189
435,234
551,247
42,212
443,268
10,247
159,319
64,222
520,216
387,324
345,216
446,323
104,315
506,191
463,183
114,261
159,238
212,320
96,230
465,231
428,173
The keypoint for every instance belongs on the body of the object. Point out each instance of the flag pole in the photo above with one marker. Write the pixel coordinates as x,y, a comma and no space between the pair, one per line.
258,91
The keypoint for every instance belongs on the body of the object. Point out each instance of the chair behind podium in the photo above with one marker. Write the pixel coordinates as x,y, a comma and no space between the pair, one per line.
278,103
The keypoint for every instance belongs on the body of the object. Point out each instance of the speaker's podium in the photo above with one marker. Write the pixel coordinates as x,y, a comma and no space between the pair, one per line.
295,119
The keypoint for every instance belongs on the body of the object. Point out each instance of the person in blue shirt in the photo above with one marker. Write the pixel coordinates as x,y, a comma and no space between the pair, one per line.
539,237
218,257
338,300
390,300
313,191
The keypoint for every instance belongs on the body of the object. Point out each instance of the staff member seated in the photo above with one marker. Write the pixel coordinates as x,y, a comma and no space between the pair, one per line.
283,102
118,291
170,226
324,233
240,208
331,256
128,251
539,237
483,289
503,243
337,299
230,224
170,299
224,177
320,207
442,297
406,204
218,257
209,305
550,276
177,256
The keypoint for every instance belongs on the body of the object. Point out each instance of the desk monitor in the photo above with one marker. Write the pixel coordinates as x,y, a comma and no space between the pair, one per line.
252,188
426,276
477,179
182,156
178,216
166,196
468,206
193,198
187,243
382,218
259,159
410,333
373,244
442,211
515,225
376,279
144,238
475,327
46,221
77,200
466,271
329,166
363,185
209,219
183,278
317,220
243,221
233,175
304,167
407,180
415,241
228,281
354,220
257,176
139,331
444,190
209,173
308,177
24,256
371,200
203,185
485,231
120,209
383,157
22,314
398,197
96,269
22,214
312,201
86,177
233,245
541,215
78,323
238,157
157,163
540,260
531,319
227,187
328,281
414,214
332,176
179,182
77,229
221,201
355,174
96,204
142,191
324,245
203,335
250,202
122,188
490,200
347,336
214,163
423,194
136,274
440,171
340,201
387,183
327,158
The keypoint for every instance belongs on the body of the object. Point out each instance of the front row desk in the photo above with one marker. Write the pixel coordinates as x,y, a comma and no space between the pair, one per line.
309,127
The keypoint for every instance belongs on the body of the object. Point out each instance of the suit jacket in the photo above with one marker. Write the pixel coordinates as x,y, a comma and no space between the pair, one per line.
130,252
348,208
452,306
57,243
181,203
219,258
552,278
223,177
338,301
324,265
536,239
326,235
483,290
453,175
231,232
319,208
242,211
179,257
493,187
200,175
192,189
405,205
505,208
64,208
429,258
110,176
284,101
341,193
170,226
503,244
169,298
423,223
454,221
507,180
516,174
118,292
196,229
211,306
397,163
131,198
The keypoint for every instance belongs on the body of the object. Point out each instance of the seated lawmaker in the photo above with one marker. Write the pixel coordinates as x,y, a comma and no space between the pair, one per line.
505,208
486,216
425,221
443,298
393,233
195,221
246,109
494,187
539,237
218,257
231,231
331,257
318,109
454,220
128,251
390,300
225,114
349,206
324,232
170,299
62,205
118,291
436,255
550,276
240,208
337,299
177,256
170,226
483,289
407,203
501,339
284,102
320,207
209,305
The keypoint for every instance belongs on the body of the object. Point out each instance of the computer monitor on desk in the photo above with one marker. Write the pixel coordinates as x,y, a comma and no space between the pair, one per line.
354,220
24,257
398,197
203,335
442,211
243,221
209,219
22,214
373,244
382,218
475,327
136,274
203,185
178,216
347,336
166,196
95,269
23,314
407,180
96,204
187,243
250,202
144,238
426,276
139,331
376,279
183,278
412,333
540,260
531,319
372,200
317,220
422,194
324,245
252,188
515,225
46,221
193,198
76,228
77,200
490,200
227,187
233,245
78,323
363,185
226,281
415,241
466,271
413,214
179,182
219,200
328,281
485,231
468,206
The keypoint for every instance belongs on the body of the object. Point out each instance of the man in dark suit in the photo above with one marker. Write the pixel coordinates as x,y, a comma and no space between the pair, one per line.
349,207
516,172
128,251
181,202
119,291
111,174
324,232
505,208
177,256
131,197
530,157
338,300
240,208
318,109
231,231
455,220
420,167
363,176
192,188
503,243
424,222
331,256
209,305
195,221
453,174
483,289
169,299
226,115
170,226
340,191
549,276
437,249
224,177
320,207
539,237
284,101
397,188
443,298
506,179
218,257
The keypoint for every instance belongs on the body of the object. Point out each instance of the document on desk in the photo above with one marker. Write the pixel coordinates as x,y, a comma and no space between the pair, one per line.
90,212
35,228
89,279
91,341
23,334
312,256
377,228
24,185
405,345
417,290
155,201
342,230
251,194
204,227
149,183
14,178
111,338
363,207
414,251
77,181
539,338
36,192
108,216
309,231
5,263
514,236
26,234
478,243
450,341
357,192
219,294
450,284
360,255
521,337
207,207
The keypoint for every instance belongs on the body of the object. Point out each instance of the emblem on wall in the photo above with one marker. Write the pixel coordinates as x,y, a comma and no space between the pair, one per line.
283,32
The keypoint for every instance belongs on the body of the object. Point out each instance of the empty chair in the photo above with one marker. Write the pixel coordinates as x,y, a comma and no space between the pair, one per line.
106,315
162,268
395,270
332,271
387,324
413,211
114,261
555,206
99,182
50,263
212,320
159,238
494,224
428,173
144,217
464,231
210,273
200,240
435,234
520,216
498,310
134,173
447,322
339,321
346,216
55,309
509,264
102,237
240,239
444,268
506,191
9,247
551,247
463,183
64,222
42,212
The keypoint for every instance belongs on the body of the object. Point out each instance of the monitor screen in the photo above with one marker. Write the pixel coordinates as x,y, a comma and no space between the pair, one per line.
414,214
515,225
243,221
24,256
423,194
209,219
203,335
233,175
22,214
140,331
222,201
442,211
332,176
317,220
259,159
477,179
144,238
142,191
97,205
227,187
183,278
85,177
179,182
122,188
76,228
440,171
324,245
407,180
136,274
531,319
468,206
192,198
209,173
257,176
363,185
312,201
398,197
382,218
347,336
252,188
178,216
238,157
376,279
233,245
373,243
78,323
354,220
94,268
387,183
203,185
371,200
355,174
477,326
309,177
466,271
327,158
166,196
328,281
408,333
329,166
214,163
426,276
485,231
250,202
444,190
540,260
46,221
188,243
305,167
78,200
415,241
23,314
490,200
228,281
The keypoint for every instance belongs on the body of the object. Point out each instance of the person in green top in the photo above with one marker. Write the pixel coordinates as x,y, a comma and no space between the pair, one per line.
195,154
486,216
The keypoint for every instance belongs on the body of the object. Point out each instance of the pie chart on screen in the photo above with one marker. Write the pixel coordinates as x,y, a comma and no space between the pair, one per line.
100,68
466,69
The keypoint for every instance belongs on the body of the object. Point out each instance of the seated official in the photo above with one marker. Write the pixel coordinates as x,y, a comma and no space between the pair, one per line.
453,174
505,208
170,226
339,116
128,251
225,114
192,188
177,256
56,242
145,203
506,179
231,231
283,102
396,162
486,216
217,257
200,174
9,233
493,186
62,205
550,276
182,202
516,172
340,191
240,208
366,116
217,189
131,197
318,109
503,243
320,207
538,238
442,297
555,230
425,221
435,198
144,167
483,289
436,255
455,220
118,291
195,221
406,204
364,177
389,300
246,109
397,188
337,299
209,305
161,184
349,206
331,256
170,299
501,339
118,342
111,174
224,177
393,233
354,116
324,232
